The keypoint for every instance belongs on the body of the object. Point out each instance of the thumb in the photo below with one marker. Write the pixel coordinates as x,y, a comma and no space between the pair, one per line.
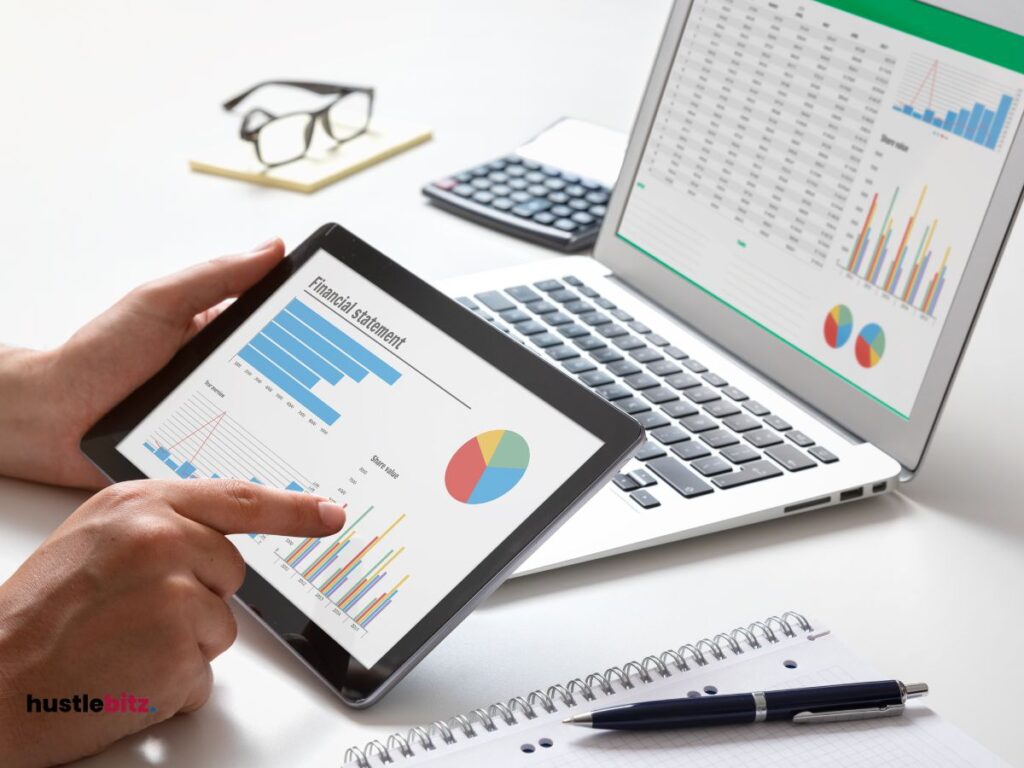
183,295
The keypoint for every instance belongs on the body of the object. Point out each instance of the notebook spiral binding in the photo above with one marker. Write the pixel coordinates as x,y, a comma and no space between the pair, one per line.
701,653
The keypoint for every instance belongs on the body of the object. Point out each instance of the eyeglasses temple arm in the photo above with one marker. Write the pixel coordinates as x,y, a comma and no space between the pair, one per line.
322,88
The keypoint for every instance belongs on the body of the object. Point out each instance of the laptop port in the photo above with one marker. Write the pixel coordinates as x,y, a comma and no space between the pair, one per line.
852,493
807,504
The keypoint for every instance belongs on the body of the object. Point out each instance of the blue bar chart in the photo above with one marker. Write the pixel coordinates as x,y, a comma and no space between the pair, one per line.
299,348
955,102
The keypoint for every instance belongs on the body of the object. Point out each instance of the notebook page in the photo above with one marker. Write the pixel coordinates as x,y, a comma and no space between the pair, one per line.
918,738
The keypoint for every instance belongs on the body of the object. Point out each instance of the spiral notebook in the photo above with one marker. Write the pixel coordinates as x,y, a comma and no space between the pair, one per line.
780,652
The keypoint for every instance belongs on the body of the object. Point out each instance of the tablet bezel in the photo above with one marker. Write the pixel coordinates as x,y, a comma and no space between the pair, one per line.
357,686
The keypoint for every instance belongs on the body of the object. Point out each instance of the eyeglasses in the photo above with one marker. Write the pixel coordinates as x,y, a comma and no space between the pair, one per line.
281,139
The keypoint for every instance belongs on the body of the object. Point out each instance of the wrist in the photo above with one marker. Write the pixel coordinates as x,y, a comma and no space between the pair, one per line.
30,445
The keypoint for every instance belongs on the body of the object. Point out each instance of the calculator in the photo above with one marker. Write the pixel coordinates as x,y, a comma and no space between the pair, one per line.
525,198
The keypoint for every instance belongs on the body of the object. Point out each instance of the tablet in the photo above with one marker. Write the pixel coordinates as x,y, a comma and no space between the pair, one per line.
454,448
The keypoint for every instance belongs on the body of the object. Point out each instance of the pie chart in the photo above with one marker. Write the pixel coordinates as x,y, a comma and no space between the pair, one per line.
487,466
870,345
838,326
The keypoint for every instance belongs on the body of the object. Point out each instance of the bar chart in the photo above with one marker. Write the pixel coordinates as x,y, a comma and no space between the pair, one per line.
354,571
885,254
955,102
299,348
201,440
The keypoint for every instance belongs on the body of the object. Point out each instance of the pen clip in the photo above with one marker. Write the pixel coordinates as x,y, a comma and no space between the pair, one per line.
840,715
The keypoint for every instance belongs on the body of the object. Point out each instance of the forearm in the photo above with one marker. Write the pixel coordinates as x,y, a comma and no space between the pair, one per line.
27,433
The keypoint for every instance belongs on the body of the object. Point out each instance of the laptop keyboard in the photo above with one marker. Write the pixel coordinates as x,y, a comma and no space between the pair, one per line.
704,434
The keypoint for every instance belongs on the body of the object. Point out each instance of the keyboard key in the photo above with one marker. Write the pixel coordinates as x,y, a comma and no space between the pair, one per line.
628,343
588,342
562,295
644,499
691,450
670,435
734,393
572,331
604,303
799,438
562,352
578,365
587,291
660,395
623,315
681,381
658,341
645,355
762,438
742,422
639,327
714,380
679,477
791,457
467,302
606,355
649,450
663,368
721,408
756,408
652,420
495,301
514,316
530,327
719,438
748,473
623,368
566,225
641,380
578,307
679,409
545,340
542,307
549,285
633,405
702,394
572,280
625,482
614,392
694,366
699,423
675,352
643,478
595,318
822,454
556,318
596,378
712,465
777,422
611,330
740,454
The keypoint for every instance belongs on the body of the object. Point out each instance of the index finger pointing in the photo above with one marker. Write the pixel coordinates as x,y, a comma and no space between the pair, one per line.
234,506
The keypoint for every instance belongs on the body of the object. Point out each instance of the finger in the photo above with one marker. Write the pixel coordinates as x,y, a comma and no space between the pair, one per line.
214,624
199,693
185,294
234,506
217,563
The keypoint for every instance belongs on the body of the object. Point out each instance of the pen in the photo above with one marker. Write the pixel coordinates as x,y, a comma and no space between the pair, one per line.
820,704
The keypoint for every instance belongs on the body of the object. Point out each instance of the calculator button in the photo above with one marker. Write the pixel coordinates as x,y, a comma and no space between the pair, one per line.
481,183
536,205
515,170
447,184
555,184
558,198
543,217
566,225
582,218
518,184
483,197
520,197
598,198
464,190
575,190
578,205
530,164
537,190
588,184
562,211
480,170
463,177
498,177
503,204
501,190
534,177
598,210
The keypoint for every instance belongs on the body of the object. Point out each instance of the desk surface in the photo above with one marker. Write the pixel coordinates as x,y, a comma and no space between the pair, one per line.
113,96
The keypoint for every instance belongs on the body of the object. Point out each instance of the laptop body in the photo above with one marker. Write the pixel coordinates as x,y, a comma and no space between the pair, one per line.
810,209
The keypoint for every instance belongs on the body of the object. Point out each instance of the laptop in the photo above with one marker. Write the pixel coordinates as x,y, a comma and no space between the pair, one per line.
812,203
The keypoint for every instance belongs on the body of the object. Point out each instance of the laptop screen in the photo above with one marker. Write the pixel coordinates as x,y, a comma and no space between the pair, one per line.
823,169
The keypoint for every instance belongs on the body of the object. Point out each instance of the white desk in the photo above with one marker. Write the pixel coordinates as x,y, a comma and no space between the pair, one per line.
103,102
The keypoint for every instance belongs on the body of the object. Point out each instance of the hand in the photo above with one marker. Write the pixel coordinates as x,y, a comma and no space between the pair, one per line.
77,383
128,596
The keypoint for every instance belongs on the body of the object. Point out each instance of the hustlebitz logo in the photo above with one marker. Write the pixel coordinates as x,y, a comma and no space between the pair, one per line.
125,704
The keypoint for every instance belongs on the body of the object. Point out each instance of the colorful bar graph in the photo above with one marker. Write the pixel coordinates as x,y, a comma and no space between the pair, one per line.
299,348
906,270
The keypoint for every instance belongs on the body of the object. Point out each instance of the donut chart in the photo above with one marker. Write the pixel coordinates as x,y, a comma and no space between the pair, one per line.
838,326
870,345
487,466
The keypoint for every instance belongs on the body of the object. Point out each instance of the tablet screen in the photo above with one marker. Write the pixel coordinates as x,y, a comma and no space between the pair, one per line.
333,387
